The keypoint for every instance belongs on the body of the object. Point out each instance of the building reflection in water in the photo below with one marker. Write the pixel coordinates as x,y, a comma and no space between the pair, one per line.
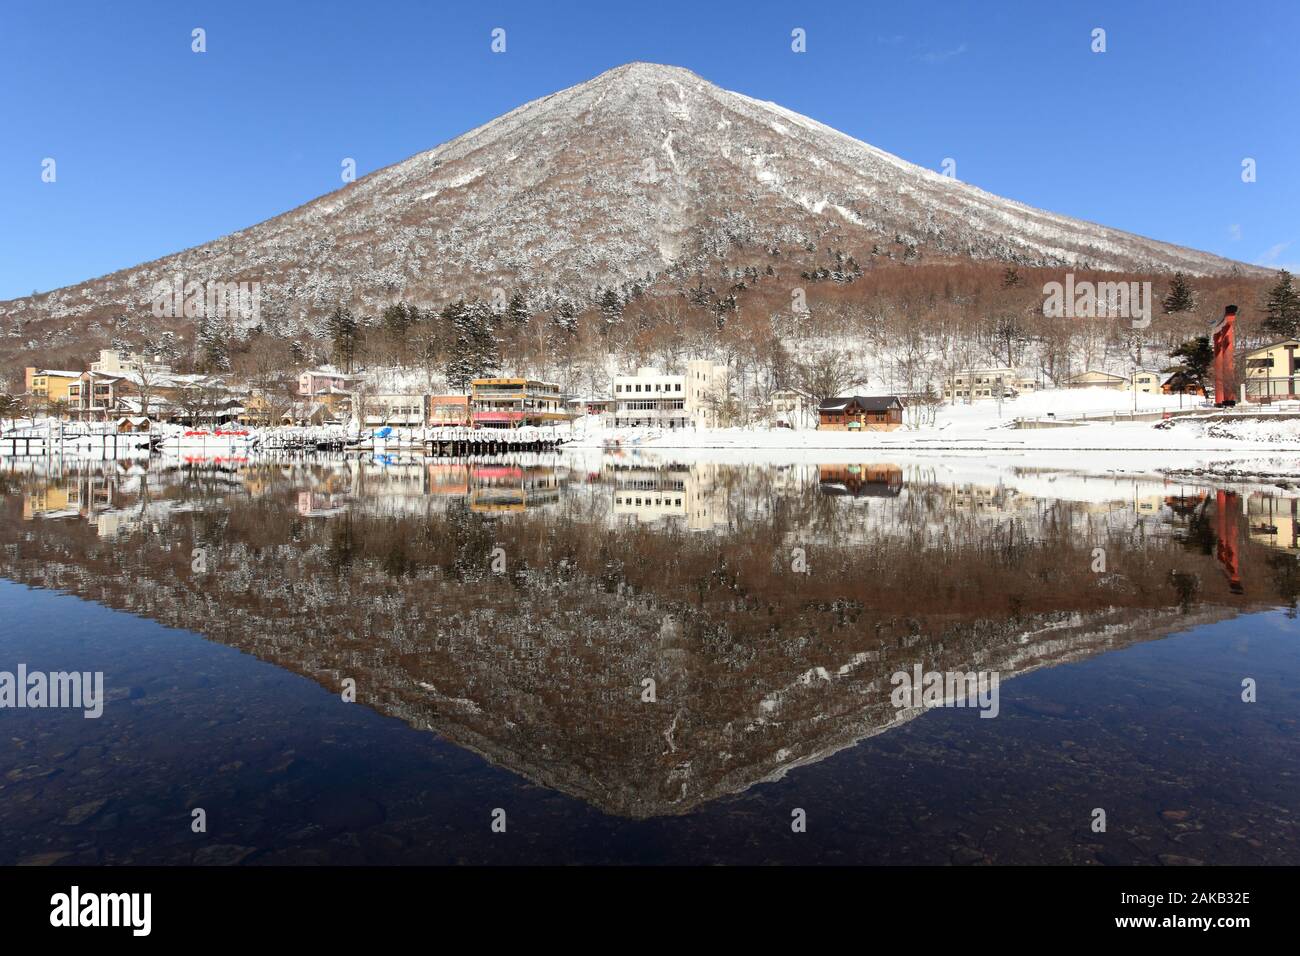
758,669
873,481
688,494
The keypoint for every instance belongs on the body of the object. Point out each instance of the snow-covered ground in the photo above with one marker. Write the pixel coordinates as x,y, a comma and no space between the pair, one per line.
986,426
1253,450
1250,446
1246,467
1061,402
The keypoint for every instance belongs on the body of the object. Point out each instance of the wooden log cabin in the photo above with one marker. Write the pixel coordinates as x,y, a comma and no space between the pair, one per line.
860,413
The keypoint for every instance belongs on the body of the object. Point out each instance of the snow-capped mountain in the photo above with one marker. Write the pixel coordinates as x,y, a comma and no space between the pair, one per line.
638,170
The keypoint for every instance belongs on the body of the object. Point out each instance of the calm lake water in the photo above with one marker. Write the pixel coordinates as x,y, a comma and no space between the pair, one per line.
632,659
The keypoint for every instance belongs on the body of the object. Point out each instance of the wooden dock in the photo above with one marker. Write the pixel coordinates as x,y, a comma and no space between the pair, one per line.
38,443
304,443
24,446
466,442
438,443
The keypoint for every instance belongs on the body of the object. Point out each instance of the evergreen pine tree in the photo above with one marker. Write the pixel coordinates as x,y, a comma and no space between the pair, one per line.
459,369
566,316
1282,309
487,351
611,309
517,310
1196,357
483,315
214,353
399,318
1010,277
345,335
165,348
474,351
1181,297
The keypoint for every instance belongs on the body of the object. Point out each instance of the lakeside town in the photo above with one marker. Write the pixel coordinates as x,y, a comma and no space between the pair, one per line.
125,393
689,437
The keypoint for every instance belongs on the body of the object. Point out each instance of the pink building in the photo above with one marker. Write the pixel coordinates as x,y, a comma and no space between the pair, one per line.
326,382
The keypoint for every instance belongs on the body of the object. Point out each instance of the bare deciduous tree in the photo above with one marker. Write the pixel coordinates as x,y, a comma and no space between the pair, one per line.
827,374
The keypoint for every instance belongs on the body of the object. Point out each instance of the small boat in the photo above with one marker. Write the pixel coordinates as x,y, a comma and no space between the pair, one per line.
213,439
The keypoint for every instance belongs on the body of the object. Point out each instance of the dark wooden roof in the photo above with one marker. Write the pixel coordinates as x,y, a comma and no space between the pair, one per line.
868,403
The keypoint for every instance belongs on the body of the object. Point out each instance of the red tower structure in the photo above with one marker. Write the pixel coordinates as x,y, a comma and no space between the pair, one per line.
1227,515
1224,367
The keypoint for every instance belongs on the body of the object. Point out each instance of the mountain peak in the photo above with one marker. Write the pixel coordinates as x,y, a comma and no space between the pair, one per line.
645,168
640,70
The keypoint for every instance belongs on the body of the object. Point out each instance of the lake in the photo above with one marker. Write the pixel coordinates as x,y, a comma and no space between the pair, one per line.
636,658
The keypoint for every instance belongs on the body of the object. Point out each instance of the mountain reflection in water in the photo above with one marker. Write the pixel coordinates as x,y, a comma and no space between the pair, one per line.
519,608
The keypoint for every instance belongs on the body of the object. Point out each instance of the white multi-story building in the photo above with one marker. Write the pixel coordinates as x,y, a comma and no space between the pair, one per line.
794,407
394,409
652,398
977,383
119,362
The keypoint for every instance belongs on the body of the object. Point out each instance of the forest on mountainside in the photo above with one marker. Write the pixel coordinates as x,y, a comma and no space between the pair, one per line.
826,323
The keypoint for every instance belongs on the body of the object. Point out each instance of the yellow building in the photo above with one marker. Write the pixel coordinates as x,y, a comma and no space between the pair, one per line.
1271,372
50,384
512,402
257,410
1144,380
1095,379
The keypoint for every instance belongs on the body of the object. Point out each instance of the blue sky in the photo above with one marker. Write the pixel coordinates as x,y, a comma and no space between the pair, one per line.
159,148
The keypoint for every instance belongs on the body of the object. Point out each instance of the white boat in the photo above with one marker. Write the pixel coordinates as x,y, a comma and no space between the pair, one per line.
105,441
216,440
77,438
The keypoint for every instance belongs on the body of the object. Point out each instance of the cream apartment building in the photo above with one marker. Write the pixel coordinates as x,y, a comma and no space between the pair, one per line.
977,383
121,363
1272,372
652,398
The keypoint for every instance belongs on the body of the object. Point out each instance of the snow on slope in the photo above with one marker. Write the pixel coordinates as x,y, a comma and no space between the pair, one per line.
639,169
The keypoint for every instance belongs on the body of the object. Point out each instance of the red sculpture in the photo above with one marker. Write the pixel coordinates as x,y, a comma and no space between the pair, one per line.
1224,368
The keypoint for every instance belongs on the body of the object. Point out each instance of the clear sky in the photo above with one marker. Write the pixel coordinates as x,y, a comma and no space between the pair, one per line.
158,148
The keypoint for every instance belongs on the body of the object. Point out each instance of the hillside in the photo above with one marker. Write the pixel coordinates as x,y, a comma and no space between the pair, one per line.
642,172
